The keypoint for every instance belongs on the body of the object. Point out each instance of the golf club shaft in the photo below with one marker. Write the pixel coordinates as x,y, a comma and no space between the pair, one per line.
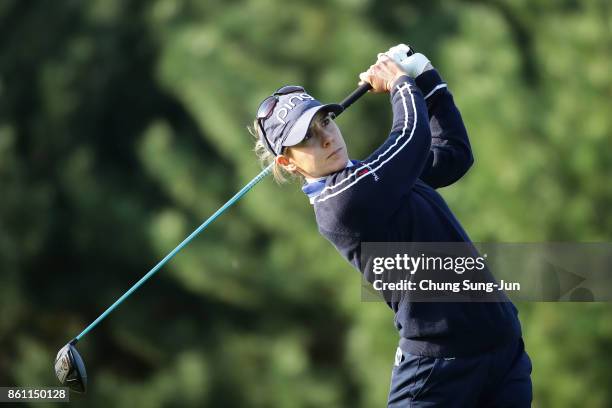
180,246
348,101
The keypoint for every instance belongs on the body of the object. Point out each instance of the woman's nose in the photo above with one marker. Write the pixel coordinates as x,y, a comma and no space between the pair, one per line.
326,139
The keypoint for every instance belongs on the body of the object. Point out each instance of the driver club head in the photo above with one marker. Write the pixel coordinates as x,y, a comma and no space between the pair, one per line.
70,369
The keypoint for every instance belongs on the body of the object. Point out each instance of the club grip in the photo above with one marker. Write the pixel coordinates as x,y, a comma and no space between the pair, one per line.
356,94
359,92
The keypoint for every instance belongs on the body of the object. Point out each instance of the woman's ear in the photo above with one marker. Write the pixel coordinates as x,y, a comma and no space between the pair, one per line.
286,163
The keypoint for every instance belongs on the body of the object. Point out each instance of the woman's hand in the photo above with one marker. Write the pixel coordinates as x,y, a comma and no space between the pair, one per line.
414,64
382,74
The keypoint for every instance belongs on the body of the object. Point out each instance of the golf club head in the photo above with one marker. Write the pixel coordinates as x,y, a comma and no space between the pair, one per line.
70,369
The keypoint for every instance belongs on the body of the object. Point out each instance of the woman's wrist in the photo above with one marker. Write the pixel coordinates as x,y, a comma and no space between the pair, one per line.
394,80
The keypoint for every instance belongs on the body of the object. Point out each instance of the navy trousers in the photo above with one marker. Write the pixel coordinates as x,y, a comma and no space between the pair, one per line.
497,379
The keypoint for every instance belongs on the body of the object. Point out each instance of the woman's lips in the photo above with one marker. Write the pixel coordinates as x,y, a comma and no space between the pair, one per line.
334,152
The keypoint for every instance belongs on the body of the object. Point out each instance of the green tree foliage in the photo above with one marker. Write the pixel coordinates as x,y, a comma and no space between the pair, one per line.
123,126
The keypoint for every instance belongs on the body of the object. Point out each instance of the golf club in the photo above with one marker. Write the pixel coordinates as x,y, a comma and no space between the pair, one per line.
69,366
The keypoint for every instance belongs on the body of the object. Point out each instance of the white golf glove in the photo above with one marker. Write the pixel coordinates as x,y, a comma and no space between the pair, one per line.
413,65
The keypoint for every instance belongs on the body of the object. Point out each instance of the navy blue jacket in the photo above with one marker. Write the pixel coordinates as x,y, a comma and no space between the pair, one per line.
391,197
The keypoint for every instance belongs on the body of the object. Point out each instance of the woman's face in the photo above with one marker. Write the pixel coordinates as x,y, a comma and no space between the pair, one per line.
321,153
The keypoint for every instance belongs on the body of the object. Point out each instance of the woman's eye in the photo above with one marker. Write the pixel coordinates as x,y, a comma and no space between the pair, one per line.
325,121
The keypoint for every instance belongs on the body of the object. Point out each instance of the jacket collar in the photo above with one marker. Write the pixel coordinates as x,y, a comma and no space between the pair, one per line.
313,187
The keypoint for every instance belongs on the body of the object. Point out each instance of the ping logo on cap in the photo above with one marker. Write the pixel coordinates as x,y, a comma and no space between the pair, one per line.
289,104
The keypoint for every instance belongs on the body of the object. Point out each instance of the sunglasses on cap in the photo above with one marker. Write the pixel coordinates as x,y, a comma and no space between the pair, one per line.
267,107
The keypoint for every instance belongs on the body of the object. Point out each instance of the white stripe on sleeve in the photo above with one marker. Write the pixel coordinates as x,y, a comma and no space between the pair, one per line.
368,165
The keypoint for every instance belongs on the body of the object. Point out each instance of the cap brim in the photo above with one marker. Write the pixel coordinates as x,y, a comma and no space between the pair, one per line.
298,131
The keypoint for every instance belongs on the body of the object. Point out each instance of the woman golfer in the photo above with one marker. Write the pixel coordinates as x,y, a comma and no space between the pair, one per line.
450,354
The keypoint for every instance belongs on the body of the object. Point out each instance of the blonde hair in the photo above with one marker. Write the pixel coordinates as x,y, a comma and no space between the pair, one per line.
266,157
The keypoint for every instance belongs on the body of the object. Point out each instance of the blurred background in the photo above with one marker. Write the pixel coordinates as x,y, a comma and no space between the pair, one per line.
123,126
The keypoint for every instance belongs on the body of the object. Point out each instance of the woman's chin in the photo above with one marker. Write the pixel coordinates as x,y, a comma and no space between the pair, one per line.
339,164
